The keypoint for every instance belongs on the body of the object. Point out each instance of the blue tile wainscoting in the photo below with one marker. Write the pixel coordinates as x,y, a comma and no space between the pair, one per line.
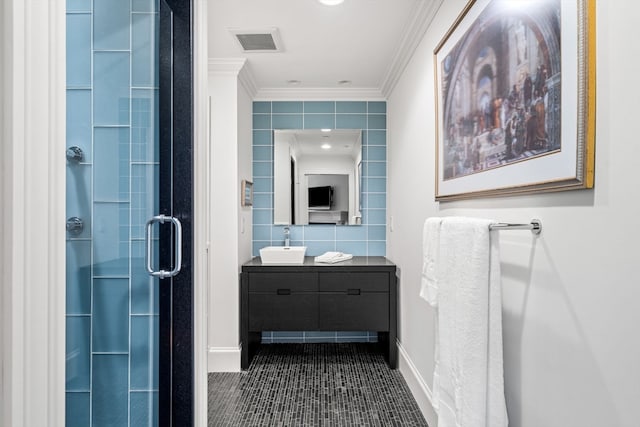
111,303
368,239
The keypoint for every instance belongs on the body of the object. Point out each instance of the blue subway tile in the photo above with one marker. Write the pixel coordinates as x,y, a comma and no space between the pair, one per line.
111,88
361,338
320,232
376,137
375,216
145,6
145,291
261,232
110,257
315,248
262,137
79,50
111,24
144,353
377,121
262,107
376,232
145,187
263,200
78,269
376,185
144,54
257,245
287,107
262,185
355,232
262,216
145,134
351,107
287,121
262,121
78,200
355,248
79,121
376,249
110,315
286,334
78,353
378,169
77,409
376,200
351,121
110,164
262,152
376,107
319,107
144,408
319,121
78,5
262,169
110,396
377,153
320,334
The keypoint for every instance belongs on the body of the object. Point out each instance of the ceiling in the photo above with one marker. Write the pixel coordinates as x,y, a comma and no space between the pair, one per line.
364,42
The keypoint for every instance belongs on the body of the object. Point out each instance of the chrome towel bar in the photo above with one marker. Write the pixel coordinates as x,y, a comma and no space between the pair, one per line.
535,226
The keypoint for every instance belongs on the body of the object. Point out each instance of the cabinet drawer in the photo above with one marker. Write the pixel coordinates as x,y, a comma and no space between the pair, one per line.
364,312
273,312
345,281
294,281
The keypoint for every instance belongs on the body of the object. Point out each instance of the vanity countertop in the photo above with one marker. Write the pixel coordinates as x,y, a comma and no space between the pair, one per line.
356,261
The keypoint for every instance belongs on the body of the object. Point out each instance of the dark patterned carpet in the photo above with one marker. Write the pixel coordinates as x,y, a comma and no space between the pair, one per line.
313,385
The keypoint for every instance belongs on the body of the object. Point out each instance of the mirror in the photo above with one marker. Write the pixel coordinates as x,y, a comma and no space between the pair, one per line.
316,178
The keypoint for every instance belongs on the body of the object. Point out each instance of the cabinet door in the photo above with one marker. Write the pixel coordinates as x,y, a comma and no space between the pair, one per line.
284,312
365,281
363,312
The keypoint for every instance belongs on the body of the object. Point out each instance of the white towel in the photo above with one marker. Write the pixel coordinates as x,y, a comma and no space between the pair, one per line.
430,259
468,383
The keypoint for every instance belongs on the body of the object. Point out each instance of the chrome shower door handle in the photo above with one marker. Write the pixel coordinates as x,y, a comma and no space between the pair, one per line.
177,246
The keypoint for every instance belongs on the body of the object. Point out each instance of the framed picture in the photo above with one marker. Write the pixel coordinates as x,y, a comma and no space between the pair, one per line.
515,99
247,193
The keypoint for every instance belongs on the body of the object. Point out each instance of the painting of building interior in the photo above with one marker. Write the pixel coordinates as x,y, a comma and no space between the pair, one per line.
500,88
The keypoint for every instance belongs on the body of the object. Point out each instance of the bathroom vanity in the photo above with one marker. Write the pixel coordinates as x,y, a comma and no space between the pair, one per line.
355,295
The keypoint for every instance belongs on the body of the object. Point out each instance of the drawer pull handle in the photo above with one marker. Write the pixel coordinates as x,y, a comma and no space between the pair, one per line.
353,291
284,291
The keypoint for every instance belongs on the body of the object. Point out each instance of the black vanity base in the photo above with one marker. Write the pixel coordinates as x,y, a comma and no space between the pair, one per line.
356,295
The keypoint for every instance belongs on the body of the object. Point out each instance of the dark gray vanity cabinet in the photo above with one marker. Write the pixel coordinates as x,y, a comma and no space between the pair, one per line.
356,295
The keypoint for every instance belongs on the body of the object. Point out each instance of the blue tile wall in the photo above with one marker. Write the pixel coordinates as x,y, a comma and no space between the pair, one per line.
366,240
111,302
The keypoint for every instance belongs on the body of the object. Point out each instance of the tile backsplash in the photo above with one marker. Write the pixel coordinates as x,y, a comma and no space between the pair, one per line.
367,239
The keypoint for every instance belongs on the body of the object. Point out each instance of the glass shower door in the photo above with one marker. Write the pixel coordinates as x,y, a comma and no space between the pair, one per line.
119,317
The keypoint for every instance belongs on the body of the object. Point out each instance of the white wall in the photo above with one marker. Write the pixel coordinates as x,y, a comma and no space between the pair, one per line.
230,224
571,296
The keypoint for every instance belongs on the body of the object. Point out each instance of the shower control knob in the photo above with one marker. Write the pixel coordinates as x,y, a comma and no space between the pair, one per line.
75,225
75,154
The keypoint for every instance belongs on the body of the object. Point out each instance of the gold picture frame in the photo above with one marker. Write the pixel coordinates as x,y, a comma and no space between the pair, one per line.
515,99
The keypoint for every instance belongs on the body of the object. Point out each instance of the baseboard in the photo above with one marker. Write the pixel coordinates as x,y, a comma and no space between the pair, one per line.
417,385
223,359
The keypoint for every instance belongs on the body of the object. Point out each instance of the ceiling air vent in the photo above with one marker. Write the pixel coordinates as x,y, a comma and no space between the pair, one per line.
264,40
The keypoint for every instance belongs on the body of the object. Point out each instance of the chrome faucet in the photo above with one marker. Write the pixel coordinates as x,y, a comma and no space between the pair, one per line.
287,241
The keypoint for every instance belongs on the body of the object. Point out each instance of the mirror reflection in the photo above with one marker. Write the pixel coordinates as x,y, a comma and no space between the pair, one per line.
317,176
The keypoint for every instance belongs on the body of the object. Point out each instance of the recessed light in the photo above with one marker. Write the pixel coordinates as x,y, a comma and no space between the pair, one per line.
331,2
344,82
325,130
293,82
325,146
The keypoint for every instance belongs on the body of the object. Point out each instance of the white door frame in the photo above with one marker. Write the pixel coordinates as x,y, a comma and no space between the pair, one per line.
32,214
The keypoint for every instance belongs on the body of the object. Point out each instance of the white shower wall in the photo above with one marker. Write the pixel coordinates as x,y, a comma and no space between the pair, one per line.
570,297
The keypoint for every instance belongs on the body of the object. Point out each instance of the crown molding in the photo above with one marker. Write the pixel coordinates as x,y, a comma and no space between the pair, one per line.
235,66
423,15
319,94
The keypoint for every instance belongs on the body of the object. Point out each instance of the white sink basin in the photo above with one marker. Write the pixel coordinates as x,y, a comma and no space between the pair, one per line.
283,254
